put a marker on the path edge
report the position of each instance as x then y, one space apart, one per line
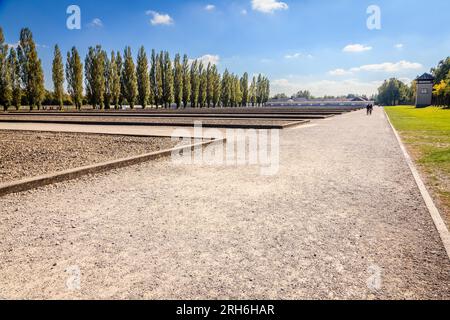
439 223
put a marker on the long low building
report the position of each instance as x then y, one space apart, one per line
302 102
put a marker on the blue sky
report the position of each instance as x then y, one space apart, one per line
321 45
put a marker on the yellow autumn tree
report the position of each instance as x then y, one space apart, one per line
441 92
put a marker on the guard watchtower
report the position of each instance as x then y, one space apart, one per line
424 92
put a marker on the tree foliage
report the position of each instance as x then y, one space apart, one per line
58 76
441 89
74 77
245 89
143 78
441 92
441 71
14 73
167 79
178 81
115 79
129 79
31 72
94 69
186 81
195 84
393 92
5 75
202 86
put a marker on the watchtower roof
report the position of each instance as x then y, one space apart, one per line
425 77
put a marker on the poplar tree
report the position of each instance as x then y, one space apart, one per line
114 81
238 92
216 86
153 78
58 77
186 81
226 89
209 84
262 90
266 94
202 86
160 78
74 77
14 72
252 92
108 82
119 62
233 99
178 81
5 76
129 78
195 84
143 78
168 80
31 72
95 76
244 89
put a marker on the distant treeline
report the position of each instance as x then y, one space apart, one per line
111 81
394 92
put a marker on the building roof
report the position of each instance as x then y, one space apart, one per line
359 99
425 77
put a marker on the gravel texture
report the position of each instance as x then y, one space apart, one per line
28 154
342 214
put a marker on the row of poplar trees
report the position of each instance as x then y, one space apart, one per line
115 80
21 72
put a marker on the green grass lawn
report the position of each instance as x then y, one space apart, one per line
426 132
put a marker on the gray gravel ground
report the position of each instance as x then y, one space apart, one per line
343 218
25 154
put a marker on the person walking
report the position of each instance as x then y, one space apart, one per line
369 109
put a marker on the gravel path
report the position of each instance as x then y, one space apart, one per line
27 154
343 218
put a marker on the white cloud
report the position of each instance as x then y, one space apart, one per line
298 55
399 46
244 12
293 56
207 58
356 48
210 7
339 72
96 23
268 6
325 87
387 67
160 18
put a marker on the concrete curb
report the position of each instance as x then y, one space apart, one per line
434 212
43 180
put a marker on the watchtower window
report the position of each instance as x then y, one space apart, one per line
424 91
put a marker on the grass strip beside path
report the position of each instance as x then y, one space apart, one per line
426 134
